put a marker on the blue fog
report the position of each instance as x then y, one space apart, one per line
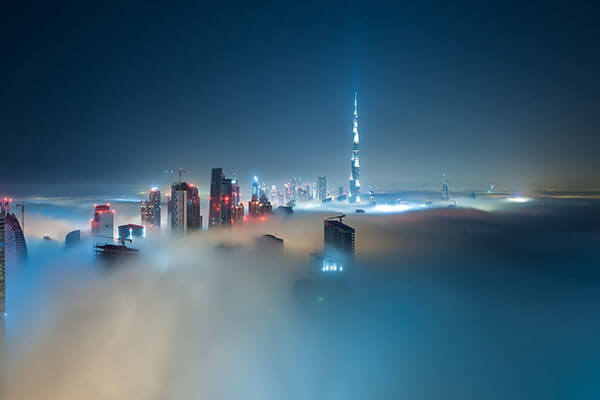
494 302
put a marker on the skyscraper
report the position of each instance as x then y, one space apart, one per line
445 193
2 270
321 188
255 189
235 190
150 209
224 197
354 162
185 208
178 209
216 194
338 238
103 221
227 194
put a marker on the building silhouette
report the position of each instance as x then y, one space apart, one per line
13 248
338 239
73 238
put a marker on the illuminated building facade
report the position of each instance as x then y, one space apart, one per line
354 196
103 221
216 195
131 231
321 188
445 193
2 267
255 189
260 207
184 208
224 197
237 213
178 210
150 209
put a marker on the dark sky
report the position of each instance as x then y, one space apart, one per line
497 93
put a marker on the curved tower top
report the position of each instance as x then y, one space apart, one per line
354 161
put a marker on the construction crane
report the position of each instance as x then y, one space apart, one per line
339 217
180 172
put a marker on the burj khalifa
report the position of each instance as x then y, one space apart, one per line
354 162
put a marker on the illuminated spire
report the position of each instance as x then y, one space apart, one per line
354 162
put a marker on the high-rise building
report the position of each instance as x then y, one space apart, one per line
354 196
445 193
255 189
185 208
103 221
224 197
321 188
338 238
237 213
227 194
235 190
216 197
2 269
260 207
150 209
372 198
131 231
178 209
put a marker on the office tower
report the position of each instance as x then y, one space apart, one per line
255 189
445 194
355 164
235 190
150 209
103 221
227 193
73 238
216 195
154 199
2 268
274 193
194 219
260 207
237 213
131 231
321 188
338 238
178 209
184 208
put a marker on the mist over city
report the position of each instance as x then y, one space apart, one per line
300 201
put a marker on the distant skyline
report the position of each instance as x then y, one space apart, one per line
501 93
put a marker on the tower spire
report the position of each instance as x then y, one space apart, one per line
354 162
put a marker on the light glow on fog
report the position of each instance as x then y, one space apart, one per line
518 199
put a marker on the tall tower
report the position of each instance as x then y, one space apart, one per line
354 162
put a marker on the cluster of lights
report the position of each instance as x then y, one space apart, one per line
331 266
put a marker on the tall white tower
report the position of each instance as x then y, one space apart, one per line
354 162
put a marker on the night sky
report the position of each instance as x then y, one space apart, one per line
497 93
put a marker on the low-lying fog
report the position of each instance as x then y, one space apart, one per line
441 304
